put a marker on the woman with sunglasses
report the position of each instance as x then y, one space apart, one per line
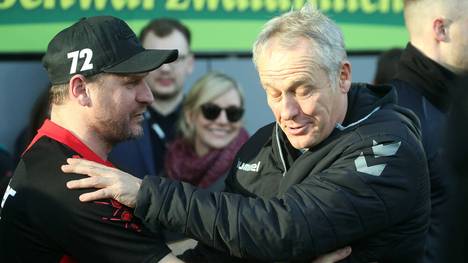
211 132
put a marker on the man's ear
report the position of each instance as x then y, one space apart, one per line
78 90
440 29
345 77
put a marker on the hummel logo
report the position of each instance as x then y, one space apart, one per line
379 150
248 167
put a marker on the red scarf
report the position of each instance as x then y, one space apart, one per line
183 164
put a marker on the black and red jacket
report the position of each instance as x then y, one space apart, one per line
43 221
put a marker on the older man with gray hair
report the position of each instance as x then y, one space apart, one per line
341 165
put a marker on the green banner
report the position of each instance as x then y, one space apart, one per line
217 25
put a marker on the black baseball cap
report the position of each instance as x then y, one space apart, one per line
100 44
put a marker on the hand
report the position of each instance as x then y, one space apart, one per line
170 258
334 256
114 183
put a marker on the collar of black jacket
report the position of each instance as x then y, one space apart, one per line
427 76
364 98
363 101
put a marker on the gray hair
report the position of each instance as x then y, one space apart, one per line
308 22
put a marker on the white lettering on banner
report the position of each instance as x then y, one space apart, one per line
86 53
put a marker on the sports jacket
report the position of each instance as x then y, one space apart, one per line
366 185
43 221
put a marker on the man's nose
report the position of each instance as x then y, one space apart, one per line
144 94
289 107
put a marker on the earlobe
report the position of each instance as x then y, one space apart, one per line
84 99
79 91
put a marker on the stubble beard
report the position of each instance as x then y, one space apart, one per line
113 132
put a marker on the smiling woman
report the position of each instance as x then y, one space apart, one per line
211 131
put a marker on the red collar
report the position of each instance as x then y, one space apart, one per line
62 135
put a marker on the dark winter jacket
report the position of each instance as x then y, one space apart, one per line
366 185
424 87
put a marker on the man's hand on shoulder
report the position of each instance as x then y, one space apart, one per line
170 258
334 256
112 182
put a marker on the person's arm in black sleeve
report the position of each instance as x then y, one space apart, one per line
324 212
104 231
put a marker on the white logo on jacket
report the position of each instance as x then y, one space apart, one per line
254 167
379 150
9 192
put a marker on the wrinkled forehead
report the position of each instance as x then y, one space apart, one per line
278 43
276 59
298 48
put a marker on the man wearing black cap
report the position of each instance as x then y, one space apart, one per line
98 98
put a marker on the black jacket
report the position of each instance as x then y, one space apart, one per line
366 185
454 242
424 86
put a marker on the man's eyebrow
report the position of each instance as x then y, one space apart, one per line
292 85
299 82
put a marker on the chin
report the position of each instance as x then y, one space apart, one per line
136 133
132 132
303 144
166 95
219 146
298 146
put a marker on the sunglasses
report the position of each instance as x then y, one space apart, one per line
211 112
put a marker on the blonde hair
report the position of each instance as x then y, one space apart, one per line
206 89
58 93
